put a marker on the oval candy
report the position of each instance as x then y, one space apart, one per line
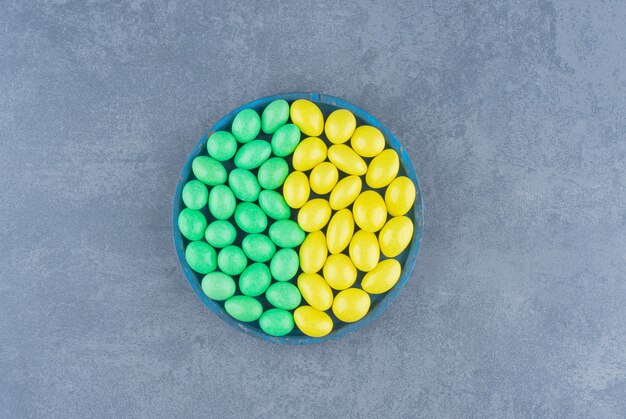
231 260
222 202
274 205
345 192
323 178
253 154
250 218
347 160
400 196
339 231
307 116
208 170
286 233
191 224
367 141
246 125
370 212
310 152
312 322
283 295
272 173
383 169
254 280
314 215
243 308
313 252
284 265
285 140
351 305
220 234
218 286
339 271
200 257
395 236
276 322
364 250
221 145
296 189
274 116
244 185
195 195
340 125
383 277
258 247
315 291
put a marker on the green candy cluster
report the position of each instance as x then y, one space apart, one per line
241 237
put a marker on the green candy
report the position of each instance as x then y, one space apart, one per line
208 170
231 260
218 286
285 140
221 145
222 202
220 234
272 173
200 257
274 205
250 218
243 308
254 280
244 185
276 322
195 195
283 295
284 265
253 154
258 247
274 116
192 224
246 125
286 233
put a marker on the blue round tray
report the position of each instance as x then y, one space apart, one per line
407 259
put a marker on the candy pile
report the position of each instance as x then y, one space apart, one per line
288 244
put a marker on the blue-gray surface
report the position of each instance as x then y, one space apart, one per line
514 114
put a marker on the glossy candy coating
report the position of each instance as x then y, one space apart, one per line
347 160
351 305
222 202
284 265
254 280
244 185
286 233
276 322
369 211
395 236
345 192
296 189
383 277
367 141
250 217
383 169
339 126
283 295
274 205
218 286
231 260
364 250
323 178
310 152
340 230
312 322
307 116
201 257
192 224
221 145
273 172
400 196
313 252
285 140
220 233
258 247
314 215
243 308
315 291
339 271
208 170
251 155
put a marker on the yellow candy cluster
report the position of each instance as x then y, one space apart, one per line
343 217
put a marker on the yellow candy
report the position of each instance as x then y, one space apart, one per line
364 250
370 212
383 169
351 305
324 178
312 322
314 215
368 141
345 192
339 271
347 160
395 236
339 126
399 196
308 117
313 252
339 231
296 189
315 291
383 277
310 152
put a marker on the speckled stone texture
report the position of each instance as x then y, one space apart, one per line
514 114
